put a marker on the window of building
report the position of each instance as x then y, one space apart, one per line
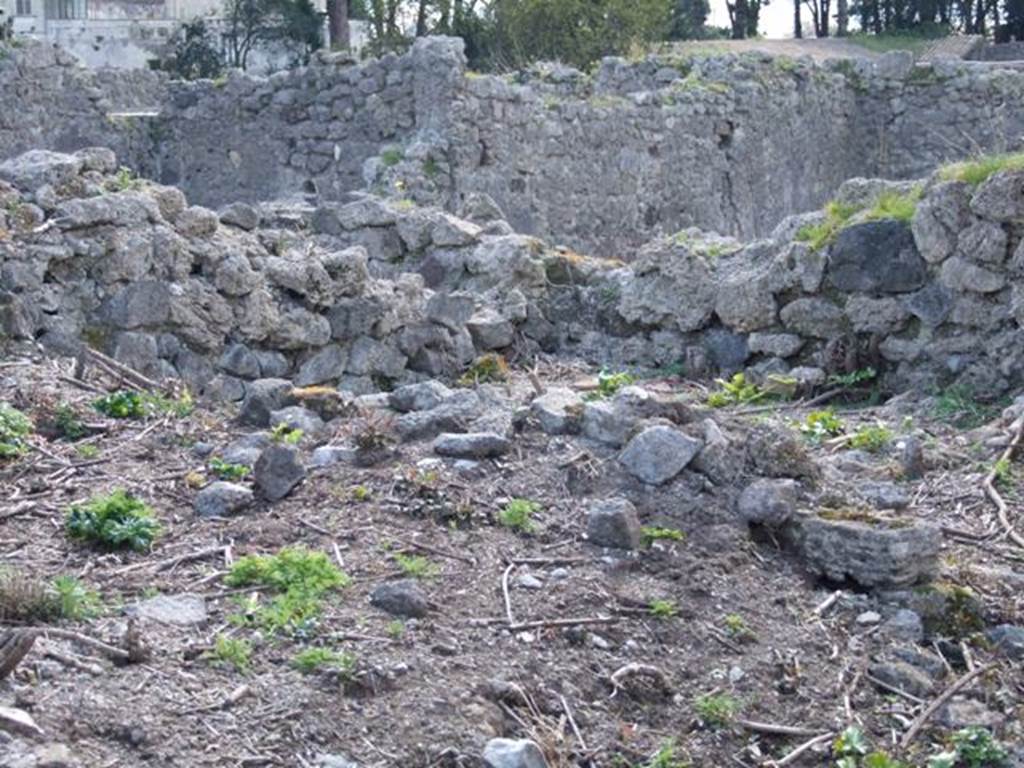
65 9
23 8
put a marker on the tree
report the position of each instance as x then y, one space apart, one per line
744 17
337 24
688 20
798 25
196 53
251 24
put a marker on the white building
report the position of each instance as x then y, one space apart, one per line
127 34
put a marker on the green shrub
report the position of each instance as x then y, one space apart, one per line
716 709
68 424
123 404
415 566
662 609
282 433
736 391
316 659
872 439
391 157
517 515
75 600
231 651
116 521
820 425
972 747
14 428
650 533
298 577
824 232
610 383
228 471
852 379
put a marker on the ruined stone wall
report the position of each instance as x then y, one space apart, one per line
600 163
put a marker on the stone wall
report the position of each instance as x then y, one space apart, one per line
600 163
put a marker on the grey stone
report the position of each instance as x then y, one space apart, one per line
871 554
222 499
559 410
240 215
816 318
870 315
39 167
938 218
727 351
931 305
401 598
967 713
904 677
1009 639
775 344
876 257
335 761
911 457
1000 197
883 495
246 449
658 454
513 753
490 330
768 501
960 275
421 396
239 360
471 445
613 523
983 242
328 364
263 396
329 455
278 470
904 625
297 417
180 610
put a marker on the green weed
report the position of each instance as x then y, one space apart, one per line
87 451
317 659
116 521
486 368
976 171
391 157
820 425
228 471
824 232
736 391
14 428
662 609
75 600
517 515
416 566
68 424
610 383
231 651
650 533
666 757
872 438
282 433
958 406
716 709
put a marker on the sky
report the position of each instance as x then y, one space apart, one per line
776 18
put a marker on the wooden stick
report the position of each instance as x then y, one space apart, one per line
802 748
508 599
435 550
942 699
562 623
111 652
572 722
778 730
990 488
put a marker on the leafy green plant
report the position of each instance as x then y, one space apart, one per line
820 425
895 205
415 566
14 428
737 626
486 368
662 609
75 600
610 383
116 521
68 424
391 157
972 747
517 515
716 709
300 578
121 181
123 404
282 433
231 651
395 629
853 378
871 438
958 406
666 757
736 391
650 533
361 493
228 471
1003 472
313 660
87 450
851 749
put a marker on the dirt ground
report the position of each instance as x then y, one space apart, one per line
432 691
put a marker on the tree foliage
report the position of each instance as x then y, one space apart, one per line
196 52
293 25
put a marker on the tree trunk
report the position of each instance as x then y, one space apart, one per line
337 24
842 18
798 26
